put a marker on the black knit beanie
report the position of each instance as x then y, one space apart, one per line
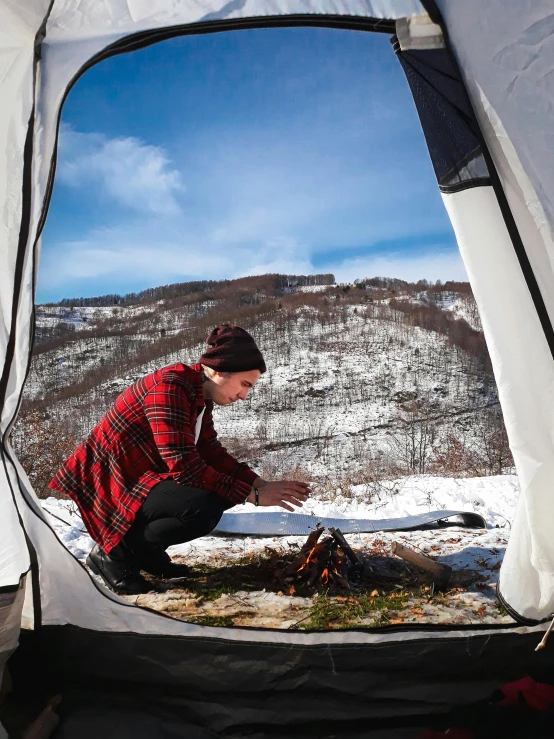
232 349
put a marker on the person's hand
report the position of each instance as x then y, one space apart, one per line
283 493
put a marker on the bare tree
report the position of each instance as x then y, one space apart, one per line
413 442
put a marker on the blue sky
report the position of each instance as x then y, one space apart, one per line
282 150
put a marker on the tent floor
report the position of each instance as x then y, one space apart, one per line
157 687
93 714
112 719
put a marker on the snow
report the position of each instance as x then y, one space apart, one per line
315 288
492 497
478 550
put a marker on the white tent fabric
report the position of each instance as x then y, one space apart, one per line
76 30
514 335
506 60
18 28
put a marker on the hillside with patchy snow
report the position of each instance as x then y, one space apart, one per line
360 387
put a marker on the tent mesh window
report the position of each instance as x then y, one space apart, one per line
446 117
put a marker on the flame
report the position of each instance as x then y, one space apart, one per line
331 569
308 561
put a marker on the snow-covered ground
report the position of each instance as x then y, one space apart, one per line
84 317
477 550
314 288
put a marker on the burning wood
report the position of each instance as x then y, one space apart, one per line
345 546
322 562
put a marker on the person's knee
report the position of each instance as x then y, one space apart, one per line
206 512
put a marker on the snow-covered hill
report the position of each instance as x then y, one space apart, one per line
355 391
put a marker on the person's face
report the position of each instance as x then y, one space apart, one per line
227 388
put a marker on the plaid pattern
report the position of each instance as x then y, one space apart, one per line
145 437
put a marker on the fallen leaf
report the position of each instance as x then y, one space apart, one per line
395 621
280 592
497 566
417 611
435 548
292 590
374 594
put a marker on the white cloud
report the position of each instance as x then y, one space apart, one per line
135 174
104 257
438 265
140 257
148 257
253 206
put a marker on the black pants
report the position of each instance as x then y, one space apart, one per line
173 514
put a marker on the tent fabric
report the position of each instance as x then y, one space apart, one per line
506 61
82 19
508 55
170 687
448 123
18 27
510 320
45 46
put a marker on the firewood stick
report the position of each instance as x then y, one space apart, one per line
338 536
441 573
45 723
313 538
316 574
342 581
302 560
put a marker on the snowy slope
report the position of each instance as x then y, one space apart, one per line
480 551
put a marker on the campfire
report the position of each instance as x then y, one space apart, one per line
329 562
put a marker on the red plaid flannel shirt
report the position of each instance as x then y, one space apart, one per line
148 435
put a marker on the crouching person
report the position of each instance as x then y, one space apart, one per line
152 472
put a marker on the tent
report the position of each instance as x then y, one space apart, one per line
482 78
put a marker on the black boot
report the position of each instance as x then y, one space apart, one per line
117 572
160 564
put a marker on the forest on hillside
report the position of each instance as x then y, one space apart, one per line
366 381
